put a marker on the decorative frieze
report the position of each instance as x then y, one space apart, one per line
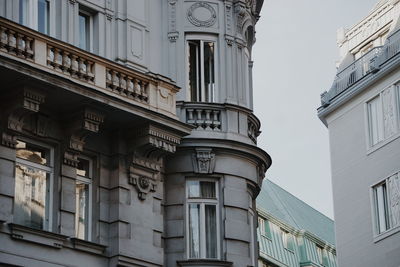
203 160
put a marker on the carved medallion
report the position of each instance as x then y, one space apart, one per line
201 14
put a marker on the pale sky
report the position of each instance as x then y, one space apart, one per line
294 62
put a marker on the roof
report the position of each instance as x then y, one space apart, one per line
284 206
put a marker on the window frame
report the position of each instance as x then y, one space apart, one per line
202 38
32 15
202 202
90 27
47 168
89 181
377 235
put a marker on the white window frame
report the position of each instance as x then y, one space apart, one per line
89 181
374 211
47 168
395 87
202 202
202 39
320 254
90 27
32 15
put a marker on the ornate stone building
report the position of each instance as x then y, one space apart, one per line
362 113
127 133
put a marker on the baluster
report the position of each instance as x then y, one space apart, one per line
11 41
3 39
122 84
90 71
129 86
216 119
207 120
144 90
20 46
190 118
29 47
136 91
199 119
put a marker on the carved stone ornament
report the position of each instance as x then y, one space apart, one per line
85 123
8 140
144 185
203 160
196 14
394 195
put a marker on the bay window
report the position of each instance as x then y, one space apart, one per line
202 219
33 182
201 70
83 191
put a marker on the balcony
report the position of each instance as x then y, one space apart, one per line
224 121
39 51
367 65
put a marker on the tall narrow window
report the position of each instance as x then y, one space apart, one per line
381 208
33 175
202 219
83 191
44 16
85 30
375 120
23 12
202 71
288 240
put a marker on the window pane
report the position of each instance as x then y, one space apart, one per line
209 72
267 229
194 230
83 31
32 153
23 12
82 208
30 196
211 231
207 189
194 188
43 16
381 208
194 70
375 120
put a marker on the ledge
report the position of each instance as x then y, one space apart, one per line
87 246
204 263
42 237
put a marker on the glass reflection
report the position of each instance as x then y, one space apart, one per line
194 230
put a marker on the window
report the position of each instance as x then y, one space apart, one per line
83 191
202 219
386 204
287 240
33 182
320 254
264 227
201 68
35 14
85 30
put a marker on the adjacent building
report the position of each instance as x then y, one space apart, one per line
127 133
291 233
362 113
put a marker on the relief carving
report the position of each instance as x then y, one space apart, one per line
388 113
203 160
173 34
205 20
394 196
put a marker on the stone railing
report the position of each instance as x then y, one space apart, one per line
53 56
204 118
253 129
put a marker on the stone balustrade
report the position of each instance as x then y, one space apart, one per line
56 57
204 118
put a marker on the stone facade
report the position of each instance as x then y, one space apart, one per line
128 137
361 111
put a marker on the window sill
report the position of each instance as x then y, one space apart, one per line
205 263
382 143
87 246
386 234
267 237
289 250
32 235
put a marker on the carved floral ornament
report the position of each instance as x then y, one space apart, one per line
203 160
200 8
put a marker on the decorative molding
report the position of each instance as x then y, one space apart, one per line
228 17
72 2
71 158
394 196
143 185
199 22
173 34
229 40
389 110
203 160
240 11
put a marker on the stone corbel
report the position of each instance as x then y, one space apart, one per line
25 102
203 160
83 124
153 142
240 11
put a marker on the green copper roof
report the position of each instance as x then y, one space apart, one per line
291 210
